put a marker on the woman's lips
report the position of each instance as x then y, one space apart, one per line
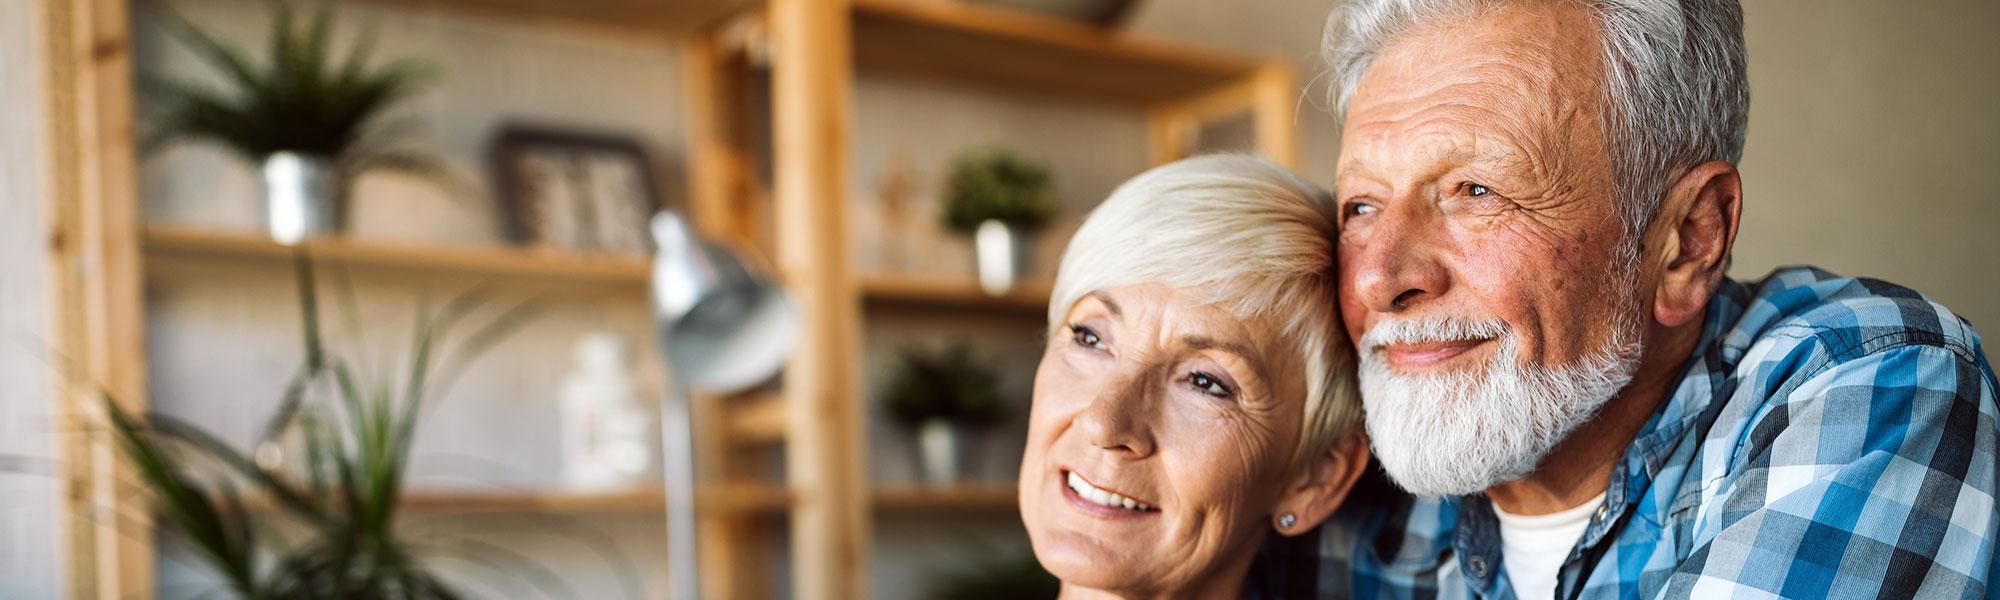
1426 355
1100 502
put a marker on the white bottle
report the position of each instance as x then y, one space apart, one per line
606 432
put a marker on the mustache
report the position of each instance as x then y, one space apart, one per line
1435 328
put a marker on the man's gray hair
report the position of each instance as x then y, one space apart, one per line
1676 92
1241 233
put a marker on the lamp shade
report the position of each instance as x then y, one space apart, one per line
723 328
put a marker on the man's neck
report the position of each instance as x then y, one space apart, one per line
1579 468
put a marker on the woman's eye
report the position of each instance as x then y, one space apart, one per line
1083 336
1475 190
1210 385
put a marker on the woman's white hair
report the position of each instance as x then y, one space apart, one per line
1241 233
1676 91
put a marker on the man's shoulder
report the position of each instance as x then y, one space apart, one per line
1811 319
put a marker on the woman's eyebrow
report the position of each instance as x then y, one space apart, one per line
1109 305
1199 342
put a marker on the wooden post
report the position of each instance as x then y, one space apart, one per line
1274 110
812 71
718 164
97 292
1170 135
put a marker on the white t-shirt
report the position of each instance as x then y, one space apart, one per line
1533 547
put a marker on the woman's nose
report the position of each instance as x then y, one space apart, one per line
1117 419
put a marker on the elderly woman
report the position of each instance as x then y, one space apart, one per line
1197 391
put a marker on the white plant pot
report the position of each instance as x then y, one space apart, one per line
301 196
1001 251
940 451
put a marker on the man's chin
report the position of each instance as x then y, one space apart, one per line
1440 473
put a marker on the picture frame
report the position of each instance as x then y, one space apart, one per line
574 190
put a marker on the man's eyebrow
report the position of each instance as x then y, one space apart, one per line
1109 304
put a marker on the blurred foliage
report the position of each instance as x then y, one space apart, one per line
953 385
996 183
344 491
1002 576
301 98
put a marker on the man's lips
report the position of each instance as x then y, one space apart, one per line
1419 356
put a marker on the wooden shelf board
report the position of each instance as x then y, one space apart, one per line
533 264
983 496
1024 52
649 16
730 499
1027 297
734 498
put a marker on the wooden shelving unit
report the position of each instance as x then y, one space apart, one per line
812 48
182 246
1030 297
1007 50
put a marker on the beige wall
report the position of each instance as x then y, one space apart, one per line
30 504
1874 145
1874 132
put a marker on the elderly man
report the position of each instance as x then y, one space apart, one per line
1538 201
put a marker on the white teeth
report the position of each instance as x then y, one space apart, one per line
1098 496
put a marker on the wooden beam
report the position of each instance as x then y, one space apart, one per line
718 165
812 75
97 298
756 421
1269 95
1170 135
1274 113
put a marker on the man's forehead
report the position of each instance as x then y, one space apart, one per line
1448 92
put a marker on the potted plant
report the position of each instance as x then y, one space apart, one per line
309 121
338 490
941 397
1000 198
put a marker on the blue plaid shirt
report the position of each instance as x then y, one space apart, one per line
1832 438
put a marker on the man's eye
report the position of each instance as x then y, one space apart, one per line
1083 336
1356 209
1210 385
1475 190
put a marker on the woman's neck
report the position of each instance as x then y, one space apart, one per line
1226 581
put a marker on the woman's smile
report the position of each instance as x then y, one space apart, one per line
1101 502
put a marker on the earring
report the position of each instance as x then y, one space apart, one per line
1286 520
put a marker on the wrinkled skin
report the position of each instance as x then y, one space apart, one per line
1183 407
1475 181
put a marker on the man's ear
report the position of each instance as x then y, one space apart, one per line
1697 222
1319 487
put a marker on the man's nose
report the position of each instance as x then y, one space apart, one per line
1398 265
1117 418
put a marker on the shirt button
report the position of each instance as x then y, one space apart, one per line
1602 510
1477 565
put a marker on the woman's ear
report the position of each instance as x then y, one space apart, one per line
1319 487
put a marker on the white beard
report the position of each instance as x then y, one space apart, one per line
1448 434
